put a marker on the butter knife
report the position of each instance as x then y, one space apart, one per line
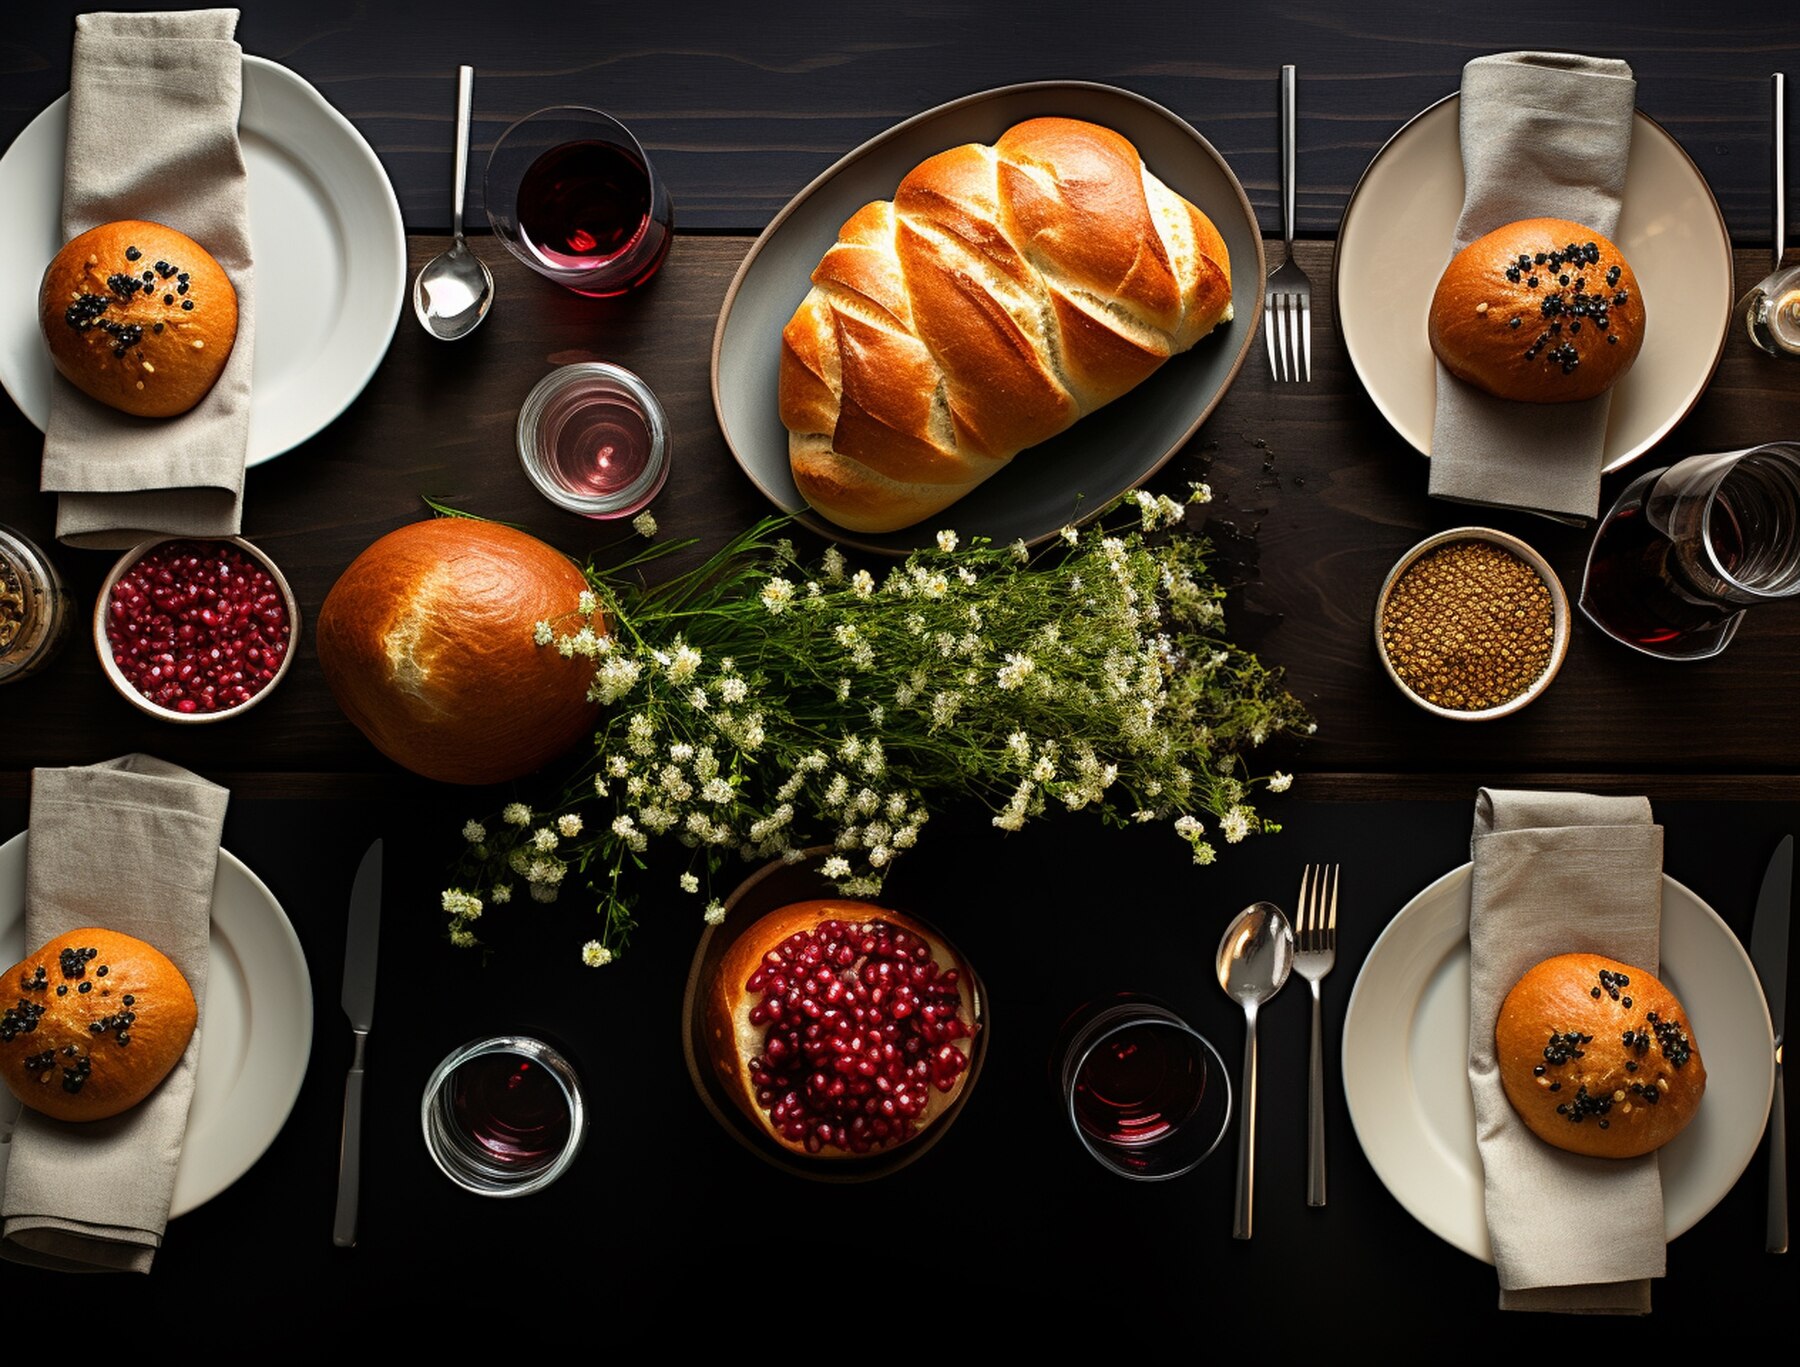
1769 952
361 946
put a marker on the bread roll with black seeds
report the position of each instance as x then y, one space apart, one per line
1541 311
93 1022
1598 1057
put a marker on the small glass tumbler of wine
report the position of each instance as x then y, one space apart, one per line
594 440
1686 550
570 192
504 1116
1146 1094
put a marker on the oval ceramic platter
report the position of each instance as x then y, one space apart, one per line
1069 478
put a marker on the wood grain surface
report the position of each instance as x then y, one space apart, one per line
741 105
1316 499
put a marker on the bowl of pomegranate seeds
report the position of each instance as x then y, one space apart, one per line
836 1039
195 630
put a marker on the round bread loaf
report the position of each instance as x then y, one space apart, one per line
1542 311
99 1020
1597 1057
138 316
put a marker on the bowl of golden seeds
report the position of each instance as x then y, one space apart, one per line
1472 624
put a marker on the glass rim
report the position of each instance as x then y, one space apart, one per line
1114 1020
656 460
522 1046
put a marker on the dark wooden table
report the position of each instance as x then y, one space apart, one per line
1317 497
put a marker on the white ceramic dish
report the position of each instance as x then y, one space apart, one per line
330 257
1405 1062
257 1029
1671 231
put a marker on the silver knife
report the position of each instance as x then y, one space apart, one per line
1769 952
360 950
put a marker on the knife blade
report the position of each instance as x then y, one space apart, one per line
361 948
1769 952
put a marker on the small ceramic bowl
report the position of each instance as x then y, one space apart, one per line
772 886
116 677
1559 609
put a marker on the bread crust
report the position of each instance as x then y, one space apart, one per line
1569 336
425 642
1004 292
1571 1074
89 1035
139 316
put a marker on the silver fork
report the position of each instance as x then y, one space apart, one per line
1287 299
1315 952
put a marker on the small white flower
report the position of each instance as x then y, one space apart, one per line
716 790
1280 782
644 525
699 700
1204 853
543 840
474 832
681 752
1234 825
569 825
684 664
462 939
1020 552
733 689
1070 535
617 766
1189 828
593 953
465 906
542 633
934 586
1200 492
516 814
777 596
690 883
600 789
833 562
946 541
1014 672
588 603
715 913
862 583
501 894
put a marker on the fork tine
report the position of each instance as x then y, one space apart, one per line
1281 331
1306 351
1331 926
1294 314
1269 337
1300 907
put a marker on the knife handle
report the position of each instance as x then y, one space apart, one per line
343 1229
1778 1231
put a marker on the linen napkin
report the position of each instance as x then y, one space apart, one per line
1544 135
153 134
131 844
1561 873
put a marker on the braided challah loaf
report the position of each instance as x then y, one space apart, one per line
1003 293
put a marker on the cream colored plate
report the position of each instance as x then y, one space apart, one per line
1671 231
1406 1044
255 1039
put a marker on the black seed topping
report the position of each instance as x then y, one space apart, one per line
1612 339
19 1020
1556 1086
85 987
37 1063
1512 274
1612 276
129 999
182 287
100 972
188 305
1540 258
168 299
1538 1071
1562 279
1533 282
132 253
1630 1067
1585 1105
1673 1041
1621 297
1514 323
62 989
1594 992
157 328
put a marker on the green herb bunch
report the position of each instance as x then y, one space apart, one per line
756 706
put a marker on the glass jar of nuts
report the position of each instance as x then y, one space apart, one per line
35 609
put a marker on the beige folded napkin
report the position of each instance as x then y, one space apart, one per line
132 845
153 134
1544 135
1561 873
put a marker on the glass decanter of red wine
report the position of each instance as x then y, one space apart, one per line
1687 549
1145 1093
572 194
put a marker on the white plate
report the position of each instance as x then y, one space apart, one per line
1406 1045
330 257
255 1041
1671 231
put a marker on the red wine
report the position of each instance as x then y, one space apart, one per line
1636 586
511 1107
1140 1085
583 205
599 440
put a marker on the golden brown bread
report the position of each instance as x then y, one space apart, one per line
138 316
1542 311
824 955
1598 1057
1003 293
426 642
99 1018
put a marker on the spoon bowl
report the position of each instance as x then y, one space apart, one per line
1255 956
453 291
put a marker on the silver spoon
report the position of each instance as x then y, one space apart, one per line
453 291
1254 959
1770 309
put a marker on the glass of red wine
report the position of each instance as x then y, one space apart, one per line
1145 1092
504 1116
572 195
1687 549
